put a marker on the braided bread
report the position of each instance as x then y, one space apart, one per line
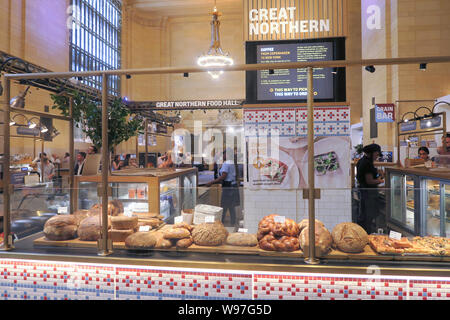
285 243
277 236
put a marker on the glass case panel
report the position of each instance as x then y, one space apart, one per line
134 196
397 197
410 205
87 195
169 199
432 203
189 191
447 210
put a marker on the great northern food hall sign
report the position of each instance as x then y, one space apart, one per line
294 19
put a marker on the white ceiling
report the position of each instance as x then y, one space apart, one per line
184 7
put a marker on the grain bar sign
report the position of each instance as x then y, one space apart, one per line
385 112
294 19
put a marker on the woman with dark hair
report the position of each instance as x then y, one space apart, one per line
368 180
115 165
424 153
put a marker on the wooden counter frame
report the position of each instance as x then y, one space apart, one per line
7 78
153 185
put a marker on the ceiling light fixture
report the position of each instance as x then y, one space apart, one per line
215 57
44 129
19 101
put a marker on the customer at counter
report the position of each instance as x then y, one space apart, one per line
368 180
167 161
230 190
115 164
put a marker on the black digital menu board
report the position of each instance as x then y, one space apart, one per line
291 84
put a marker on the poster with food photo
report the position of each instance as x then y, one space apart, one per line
277 150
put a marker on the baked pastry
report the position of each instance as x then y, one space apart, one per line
209 234
349 237
285 243
90 228
242 239
61 227
141 240
119 235
323 240
384 244
184 243
124 222
305 222
177 233
268 224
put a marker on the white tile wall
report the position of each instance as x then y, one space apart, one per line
333 208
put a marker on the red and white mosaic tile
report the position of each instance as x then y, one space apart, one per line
36 280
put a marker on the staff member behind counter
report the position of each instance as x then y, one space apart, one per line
368 180
230 189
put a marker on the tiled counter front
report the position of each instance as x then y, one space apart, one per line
36 280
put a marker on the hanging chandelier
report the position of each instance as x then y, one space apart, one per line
215 57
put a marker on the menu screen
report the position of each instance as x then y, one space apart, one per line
291 84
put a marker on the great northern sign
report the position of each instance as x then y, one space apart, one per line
385 112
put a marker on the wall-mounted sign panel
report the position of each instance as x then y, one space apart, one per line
294 19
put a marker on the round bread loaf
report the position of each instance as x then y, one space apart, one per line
349 237
124 222
323 241
184 243
141 240
119 235
115 207
183 225
305 222
177 233
242 239
61 227
90 228
209 234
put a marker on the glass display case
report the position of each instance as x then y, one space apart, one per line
419 201
164 192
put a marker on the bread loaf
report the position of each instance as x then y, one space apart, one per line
115 207
119 235
124 222
323 241
242 239
161 242
349 237
184 243
61 227
305 222
90 228
183 225
209 234
152 222
141 240
177 233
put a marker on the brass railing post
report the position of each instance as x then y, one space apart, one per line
7 237
105 246
72 158
311 259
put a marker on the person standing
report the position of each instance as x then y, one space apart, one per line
230 189
81 159
49 170
92 150
115 164
369 178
